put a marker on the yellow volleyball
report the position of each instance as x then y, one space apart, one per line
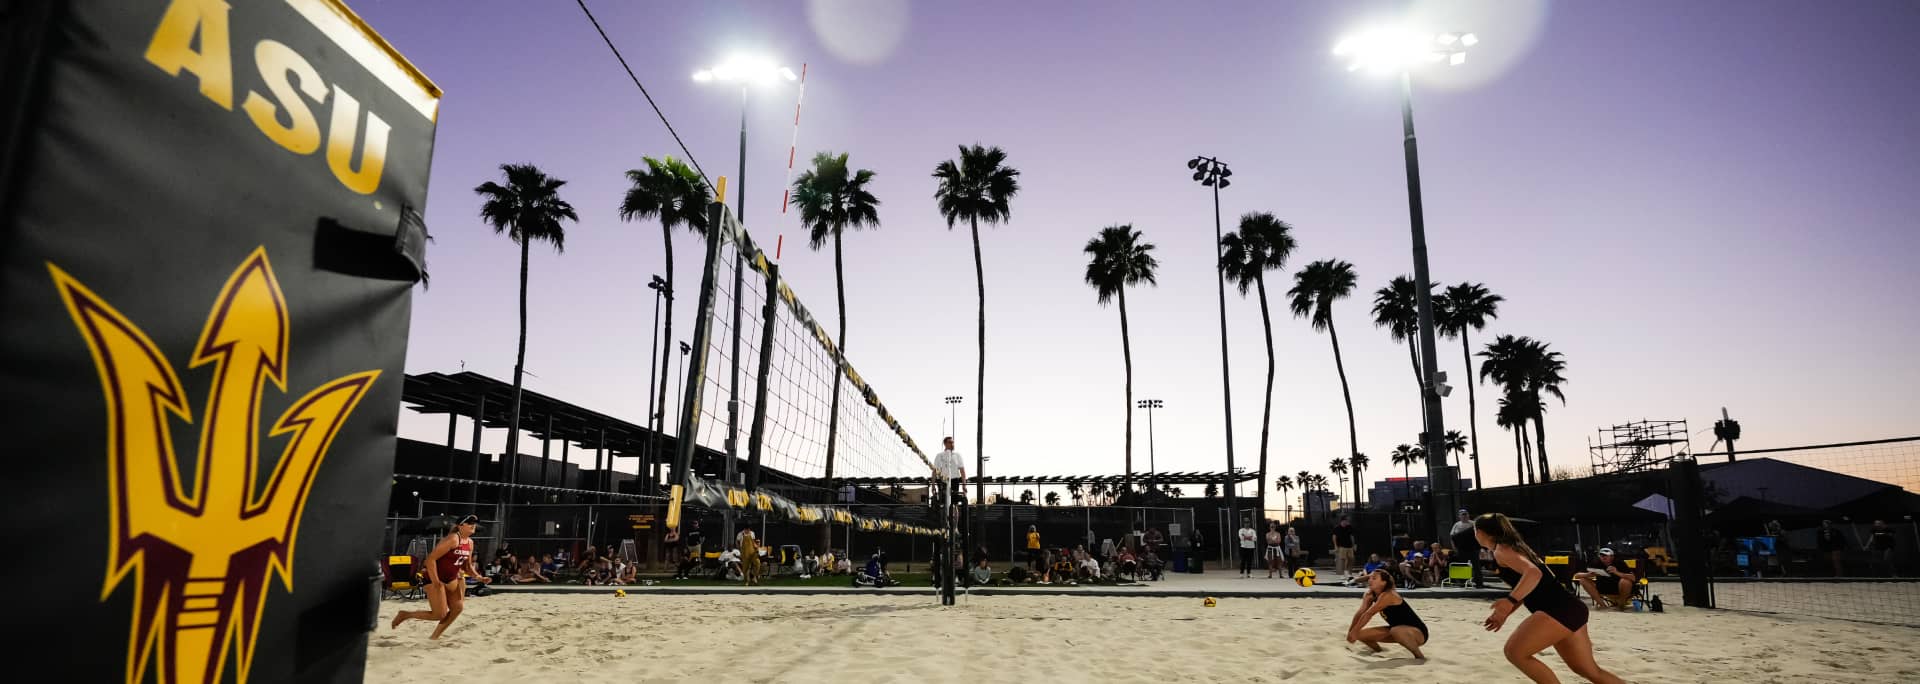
619 593
1209 602
1303 577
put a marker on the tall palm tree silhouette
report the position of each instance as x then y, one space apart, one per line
668 190
1526 369
979 187
1395 309
833 199
1315 289
527 209
1455 443
1262 244
1405 456
1457 312
1117 258
1359 463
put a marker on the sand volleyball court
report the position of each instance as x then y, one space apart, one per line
1065 639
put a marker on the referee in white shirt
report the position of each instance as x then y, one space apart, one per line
951 471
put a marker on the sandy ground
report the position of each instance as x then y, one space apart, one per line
1065 639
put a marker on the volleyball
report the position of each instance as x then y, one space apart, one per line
619 593
1208 602
1303 577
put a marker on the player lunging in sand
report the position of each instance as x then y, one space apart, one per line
447 567
1559 618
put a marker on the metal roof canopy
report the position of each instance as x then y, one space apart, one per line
459 393
1197 478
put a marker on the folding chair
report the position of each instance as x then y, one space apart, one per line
401 583
1458 575
1639 585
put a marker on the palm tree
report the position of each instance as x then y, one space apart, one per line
1513 415
1405 456
1359 463
673 192
1117 258
833 199
1073 490
1096 492
1395 309
1457 311
1213 490
979 187
1455 443
1026 497
1526 368
1544 376
1315 289
527 209
1305 481
1284 485
1339 468
1053 498
1262 244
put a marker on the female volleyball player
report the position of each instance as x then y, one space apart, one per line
447 566
1403 626
1559 618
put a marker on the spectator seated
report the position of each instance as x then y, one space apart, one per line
1152 566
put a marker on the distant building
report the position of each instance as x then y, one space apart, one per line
1321 502
1388 493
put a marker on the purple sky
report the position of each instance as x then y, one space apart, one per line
1700 204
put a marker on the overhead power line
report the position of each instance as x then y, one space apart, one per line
643 92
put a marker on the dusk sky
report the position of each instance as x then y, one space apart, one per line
1701 204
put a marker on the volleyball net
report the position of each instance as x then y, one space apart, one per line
775 415
1830 530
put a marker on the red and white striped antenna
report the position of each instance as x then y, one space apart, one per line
786 192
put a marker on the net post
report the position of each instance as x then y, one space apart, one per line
757 438
719 226
739 304
1690 545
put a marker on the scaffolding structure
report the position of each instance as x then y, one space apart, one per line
1637 446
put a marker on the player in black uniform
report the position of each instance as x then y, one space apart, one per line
1403 626
1559 619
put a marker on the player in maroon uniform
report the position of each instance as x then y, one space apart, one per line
447 566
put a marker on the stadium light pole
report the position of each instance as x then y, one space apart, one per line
1214 173
1153 470
680 374
747 72
1391 51
660 290
953 417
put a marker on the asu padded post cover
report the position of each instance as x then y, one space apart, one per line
209 236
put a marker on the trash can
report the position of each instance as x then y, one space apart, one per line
210 232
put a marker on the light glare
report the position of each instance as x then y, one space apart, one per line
1392 49
746 70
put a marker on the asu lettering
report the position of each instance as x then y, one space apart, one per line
192 40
